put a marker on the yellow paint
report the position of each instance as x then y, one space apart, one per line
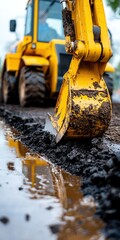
83 108
35 22
36 57
12 61
43 51
26 40
85 72
109 68
35 61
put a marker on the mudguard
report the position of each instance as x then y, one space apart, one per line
13 61
35 61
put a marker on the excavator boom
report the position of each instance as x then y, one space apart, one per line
83 108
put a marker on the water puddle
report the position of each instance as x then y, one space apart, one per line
39 201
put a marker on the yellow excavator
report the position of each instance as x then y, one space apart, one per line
34 71
83 108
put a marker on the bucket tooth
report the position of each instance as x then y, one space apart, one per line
49 126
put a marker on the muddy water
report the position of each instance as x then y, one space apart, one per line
40 201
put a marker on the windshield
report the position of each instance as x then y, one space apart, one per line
50 21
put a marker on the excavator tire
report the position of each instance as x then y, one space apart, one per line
109 82
9 89
0 93
0 98
32 87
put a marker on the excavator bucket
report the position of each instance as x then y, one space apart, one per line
83 108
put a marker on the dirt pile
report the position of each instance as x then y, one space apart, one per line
95 161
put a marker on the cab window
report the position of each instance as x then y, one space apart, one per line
49 21
28 24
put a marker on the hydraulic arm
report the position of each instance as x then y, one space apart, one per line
83 108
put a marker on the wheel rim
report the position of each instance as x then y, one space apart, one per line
5 90
22 91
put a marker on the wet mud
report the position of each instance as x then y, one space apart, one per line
68 24
97 162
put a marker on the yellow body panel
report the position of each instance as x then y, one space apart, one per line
45 49
48 50
35 61
26 40
12 61
109 68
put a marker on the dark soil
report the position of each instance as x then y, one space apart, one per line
96 161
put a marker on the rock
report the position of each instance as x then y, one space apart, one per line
117 159
55 228
73 154
109 164
98 178
10 166
95 141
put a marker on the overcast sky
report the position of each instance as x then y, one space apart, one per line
113 23
12 9
9 9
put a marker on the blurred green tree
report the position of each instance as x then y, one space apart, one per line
114 4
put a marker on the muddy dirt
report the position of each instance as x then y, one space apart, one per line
96 161
68 24
39 200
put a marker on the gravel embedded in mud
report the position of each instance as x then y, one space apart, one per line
10 166
55 228
95 161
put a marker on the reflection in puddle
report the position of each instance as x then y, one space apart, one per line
34 191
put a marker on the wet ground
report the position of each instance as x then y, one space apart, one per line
96 163
39 200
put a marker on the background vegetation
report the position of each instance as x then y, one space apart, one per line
114 4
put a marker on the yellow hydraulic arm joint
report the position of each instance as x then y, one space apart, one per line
83 108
